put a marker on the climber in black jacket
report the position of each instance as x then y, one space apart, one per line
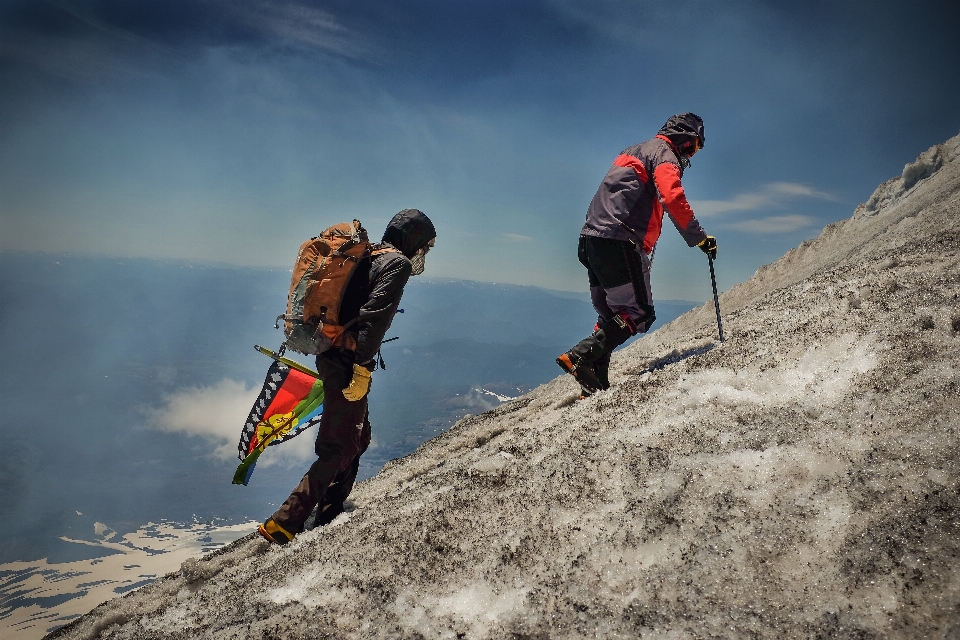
372 297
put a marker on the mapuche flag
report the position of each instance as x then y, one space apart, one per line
290 402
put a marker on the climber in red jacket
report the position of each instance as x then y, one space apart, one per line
623 225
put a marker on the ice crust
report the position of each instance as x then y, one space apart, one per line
799 480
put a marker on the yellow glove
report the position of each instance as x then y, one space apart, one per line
359 385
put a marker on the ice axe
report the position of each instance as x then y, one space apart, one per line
716 300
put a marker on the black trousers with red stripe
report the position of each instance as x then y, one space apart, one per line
619 278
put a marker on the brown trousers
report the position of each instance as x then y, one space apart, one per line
344 436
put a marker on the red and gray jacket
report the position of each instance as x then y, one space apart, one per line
628 206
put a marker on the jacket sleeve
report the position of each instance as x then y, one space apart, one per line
667 177
376 314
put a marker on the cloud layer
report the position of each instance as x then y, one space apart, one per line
771 196
774 224
217 413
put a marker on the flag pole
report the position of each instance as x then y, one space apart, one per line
287 361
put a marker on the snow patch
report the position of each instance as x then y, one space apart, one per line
492 464
499 397
823 374
298 587
473 611
173 619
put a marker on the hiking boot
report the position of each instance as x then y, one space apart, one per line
602 368
581 370
589 360
274 533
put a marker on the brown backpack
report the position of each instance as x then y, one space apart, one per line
320 276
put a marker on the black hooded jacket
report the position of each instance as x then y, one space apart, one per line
408 231
374 291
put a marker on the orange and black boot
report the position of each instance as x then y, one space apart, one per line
583 359
580 369
274 532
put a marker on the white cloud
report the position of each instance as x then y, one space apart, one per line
95 48
773 224
742 202
771 195
516 237
217 413
302 25
794 189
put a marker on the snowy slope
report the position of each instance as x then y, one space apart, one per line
798 480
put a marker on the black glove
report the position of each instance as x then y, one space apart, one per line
709 246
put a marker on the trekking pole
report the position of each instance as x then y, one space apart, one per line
716 300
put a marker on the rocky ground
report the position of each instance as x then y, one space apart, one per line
799 480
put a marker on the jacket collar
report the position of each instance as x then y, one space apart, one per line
670 142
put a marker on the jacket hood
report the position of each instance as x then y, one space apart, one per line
683 130
409 230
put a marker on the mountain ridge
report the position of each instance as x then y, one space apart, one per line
798 480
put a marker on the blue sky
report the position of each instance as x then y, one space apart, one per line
230 130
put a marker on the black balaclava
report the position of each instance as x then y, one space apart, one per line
684 130
409 230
